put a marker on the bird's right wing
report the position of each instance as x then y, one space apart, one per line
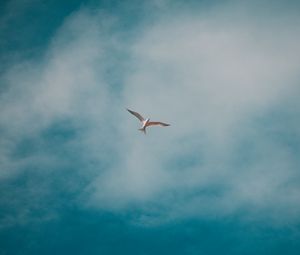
153 123
136 115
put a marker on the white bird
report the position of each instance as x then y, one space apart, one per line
147 122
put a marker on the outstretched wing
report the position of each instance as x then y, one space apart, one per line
153 123
136 115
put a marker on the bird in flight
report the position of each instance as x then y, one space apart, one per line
146 122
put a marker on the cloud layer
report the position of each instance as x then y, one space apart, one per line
228 85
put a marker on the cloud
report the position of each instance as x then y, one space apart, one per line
224 82
215 80
51 109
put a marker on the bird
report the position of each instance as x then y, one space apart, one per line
146 122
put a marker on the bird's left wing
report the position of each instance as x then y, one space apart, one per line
136 115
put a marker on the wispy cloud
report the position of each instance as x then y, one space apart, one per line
64 91
216 79
224 82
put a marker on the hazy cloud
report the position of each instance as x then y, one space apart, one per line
225 84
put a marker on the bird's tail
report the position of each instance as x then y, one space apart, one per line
143 130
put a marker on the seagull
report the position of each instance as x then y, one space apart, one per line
147 122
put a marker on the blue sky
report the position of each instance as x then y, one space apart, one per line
78 178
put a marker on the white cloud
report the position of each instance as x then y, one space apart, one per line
65 85
212 78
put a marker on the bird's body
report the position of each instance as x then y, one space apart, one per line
146 122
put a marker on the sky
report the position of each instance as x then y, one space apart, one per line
76 175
